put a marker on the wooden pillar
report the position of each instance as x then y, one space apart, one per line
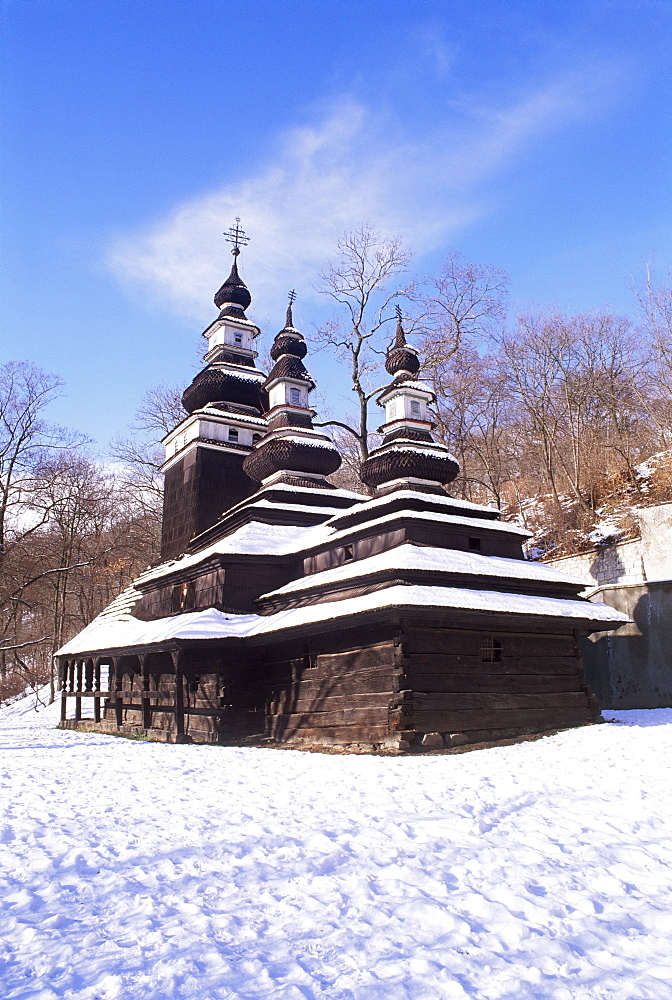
177 657
63 669
118 705
96 689
146 703
78 695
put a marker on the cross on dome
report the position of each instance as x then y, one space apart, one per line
236 235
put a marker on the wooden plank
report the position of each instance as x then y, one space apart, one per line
455 682
335 734
428 663
343 717
280 705
447 641
457 721
358 659
369 680
498 701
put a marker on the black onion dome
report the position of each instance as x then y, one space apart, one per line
405 459
214 385
286 343
289 367
401 357
274 454
234 291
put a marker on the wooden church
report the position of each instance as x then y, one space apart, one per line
289 609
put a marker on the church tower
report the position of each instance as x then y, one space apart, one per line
204 454
292 452
408 456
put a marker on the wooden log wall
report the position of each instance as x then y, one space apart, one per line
532 682
340 691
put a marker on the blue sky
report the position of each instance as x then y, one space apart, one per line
531 135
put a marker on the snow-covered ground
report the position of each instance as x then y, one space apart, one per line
135 870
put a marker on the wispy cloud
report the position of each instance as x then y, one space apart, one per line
354 164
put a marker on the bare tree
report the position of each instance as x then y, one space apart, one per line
141 456
464 305
655 308
362 281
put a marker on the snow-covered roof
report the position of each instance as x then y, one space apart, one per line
406 444
440 597
106 632
407 494
254 538
430 559
325 532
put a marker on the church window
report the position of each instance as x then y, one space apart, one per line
295 397
491 650
348 554
237 338
415 408
255 438
475 544
233 434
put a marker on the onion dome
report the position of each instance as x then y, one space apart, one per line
402 360
297 455
233 297
288 350
407 459
217 384
292 450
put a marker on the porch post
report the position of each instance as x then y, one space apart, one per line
78 696
96 687
146 704
63 670
118 705
177 657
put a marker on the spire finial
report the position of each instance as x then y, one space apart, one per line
236 235
289 320
400 339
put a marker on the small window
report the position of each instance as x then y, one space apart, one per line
184 596
310 660
348 554
255 438
393 408
475 544
295 397
415 408
233 434
237 338
491 650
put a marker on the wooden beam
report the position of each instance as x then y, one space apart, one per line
78 702
118 705
177 657
146 702
64 688
96 693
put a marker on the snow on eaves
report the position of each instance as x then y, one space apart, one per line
429 559
433 498
106 633
325 532
254 538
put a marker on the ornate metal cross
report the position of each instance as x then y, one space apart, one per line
236 235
